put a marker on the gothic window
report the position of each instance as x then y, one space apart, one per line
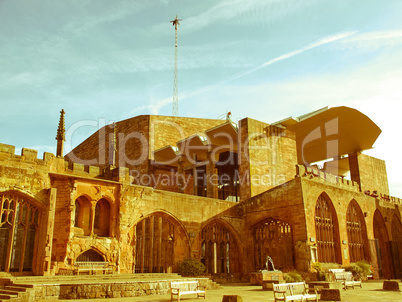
382 246
155 243
355 230
102 218
219 251
396 245
327 232
18 225
273 238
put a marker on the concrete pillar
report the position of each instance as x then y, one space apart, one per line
212 177
180 176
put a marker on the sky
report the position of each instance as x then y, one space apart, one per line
104 61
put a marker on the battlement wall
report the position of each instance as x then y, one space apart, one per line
10 163
318 175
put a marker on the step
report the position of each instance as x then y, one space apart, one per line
8 292
21 285
5 297
15 288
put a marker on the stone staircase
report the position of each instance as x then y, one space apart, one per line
15 293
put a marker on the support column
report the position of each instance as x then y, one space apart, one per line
92 226
195 184
180 176
212 177
49 232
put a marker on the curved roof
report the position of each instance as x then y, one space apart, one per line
330 133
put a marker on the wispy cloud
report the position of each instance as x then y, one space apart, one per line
373 39
154 107
323 41
238 12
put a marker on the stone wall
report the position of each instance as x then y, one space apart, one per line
369 172
267 157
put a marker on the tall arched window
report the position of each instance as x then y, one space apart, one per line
396 246
219 250
327 231
381 238
355 228
19 220
156 239
273 238
102 218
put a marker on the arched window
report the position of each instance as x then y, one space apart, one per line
382 246
273 238
396 246
219 250
83 215
19 220
355 228
156 239
102 218
327 231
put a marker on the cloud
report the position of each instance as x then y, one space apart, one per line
373 39
155 106
323 41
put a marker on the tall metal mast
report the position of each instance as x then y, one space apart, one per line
175 112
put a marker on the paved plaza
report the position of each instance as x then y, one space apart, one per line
371 291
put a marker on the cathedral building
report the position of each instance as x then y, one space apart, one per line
145 193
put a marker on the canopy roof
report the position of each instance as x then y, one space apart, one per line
194 149
331 133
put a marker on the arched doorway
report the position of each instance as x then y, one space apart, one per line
382 246
273 238
357 233
219 249
396 245
19 220
327 231
160 243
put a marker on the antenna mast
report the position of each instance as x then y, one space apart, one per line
175 112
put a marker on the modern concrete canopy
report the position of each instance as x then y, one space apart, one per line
331 133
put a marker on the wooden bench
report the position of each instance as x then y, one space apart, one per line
297 291
347 279
91 267
186 288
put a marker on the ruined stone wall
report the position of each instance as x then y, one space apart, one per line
341 192
369 172
27 176
267 157
188 212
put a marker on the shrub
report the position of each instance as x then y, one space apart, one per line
293 276
360 268
320 274
191 267
365 267
317 266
